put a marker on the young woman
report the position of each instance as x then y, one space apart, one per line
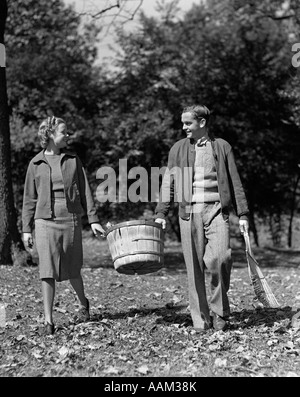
56 195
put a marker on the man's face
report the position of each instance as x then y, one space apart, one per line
191 126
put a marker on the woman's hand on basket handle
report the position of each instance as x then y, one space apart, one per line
162 222
97 229
28 240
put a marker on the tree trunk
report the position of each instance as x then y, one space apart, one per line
253 228
12 250
252 225
293 205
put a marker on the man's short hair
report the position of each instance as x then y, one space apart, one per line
198 111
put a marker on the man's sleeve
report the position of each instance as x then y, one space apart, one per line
237 191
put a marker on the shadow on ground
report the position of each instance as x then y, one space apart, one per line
246 318
249 318
174 262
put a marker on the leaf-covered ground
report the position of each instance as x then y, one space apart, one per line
140 325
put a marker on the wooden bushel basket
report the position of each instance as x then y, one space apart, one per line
136 247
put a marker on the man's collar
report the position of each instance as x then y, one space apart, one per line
202 141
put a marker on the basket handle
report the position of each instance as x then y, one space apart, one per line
148 238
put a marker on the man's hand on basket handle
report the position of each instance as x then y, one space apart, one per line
162 222
97 229
244 226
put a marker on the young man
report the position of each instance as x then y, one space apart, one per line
202 176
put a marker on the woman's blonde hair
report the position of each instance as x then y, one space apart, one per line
47 127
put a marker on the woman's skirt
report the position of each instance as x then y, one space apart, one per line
59 244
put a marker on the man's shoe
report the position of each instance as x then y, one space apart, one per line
84 313
49 329
219 323
201 330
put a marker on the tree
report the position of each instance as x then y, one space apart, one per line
11 245
48 40
50 71
232 56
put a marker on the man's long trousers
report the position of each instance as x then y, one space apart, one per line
205 241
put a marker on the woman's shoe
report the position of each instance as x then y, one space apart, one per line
84 313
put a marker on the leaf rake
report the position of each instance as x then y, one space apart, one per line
261 288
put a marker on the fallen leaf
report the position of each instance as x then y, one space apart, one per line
63 351
289 344
239 349
176 299
291 374
220 363
37 354
143 369
172 289
296 320
111 370
20 337
58 309
213 347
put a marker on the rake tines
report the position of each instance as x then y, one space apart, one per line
261 288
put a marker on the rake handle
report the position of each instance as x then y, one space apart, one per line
247 242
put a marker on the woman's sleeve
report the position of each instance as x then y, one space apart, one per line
29 201
86 196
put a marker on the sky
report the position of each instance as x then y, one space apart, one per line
92 6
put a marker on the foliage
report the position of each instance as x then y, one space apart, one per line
232 56
50 71
49 61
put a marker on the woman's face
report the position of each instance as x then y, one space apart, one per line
60 136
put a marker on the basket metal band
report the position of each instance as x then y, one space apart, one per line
139 253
